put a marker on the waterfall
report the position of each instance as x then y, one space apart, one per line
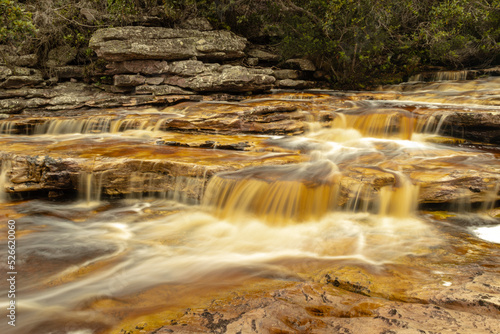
278 195
4 178
90 187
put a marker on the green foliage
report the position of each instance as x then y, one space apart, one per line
462 32
16 23
179 10
121 7
358 42
371 41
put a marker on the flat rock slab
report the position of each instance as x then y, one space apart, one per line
131 43
120 165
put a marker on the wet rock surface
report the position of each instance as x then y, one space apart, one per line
439 176
309 219
360 299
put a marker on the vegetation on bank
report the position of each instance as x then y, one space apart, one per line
357 42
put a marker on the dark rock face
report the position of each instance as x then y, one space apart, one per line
481 127
130 43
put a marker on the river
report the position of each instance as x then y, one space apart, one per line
367 195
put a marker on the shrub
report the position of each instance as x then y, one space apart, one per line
16 22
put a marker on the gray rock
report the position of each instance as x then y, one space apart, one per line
286 74
23 60
252 61
154 81
18 81
68 72
296 84
149 67
5 72
300 64
12 106
61 56
140 43
128 80
89 14
161 90
263 55
197 23
227 78
189 68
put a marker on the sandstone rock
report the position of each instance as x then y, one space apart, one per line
68 72
12 106
295 84
491 71
263 55
149 67
127 80
252 61
161 90
18 81
300 64
131 166
190 68
133 43
227 78
197 23
61 56
29 60
154 80
286 74
476 126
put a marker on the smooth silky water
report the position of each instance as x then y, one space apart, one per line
93 263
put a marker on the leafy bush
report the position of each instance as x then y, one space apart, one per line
370 41
358 42
15 23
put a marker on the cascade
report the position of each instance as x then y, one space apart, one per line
90 187
440 76
343 221
399 200
380 123
278 195
4 171
491 197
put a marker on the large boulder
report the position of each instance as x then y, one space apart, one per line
132 43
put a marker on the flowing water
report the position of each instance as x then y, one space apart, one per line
368 180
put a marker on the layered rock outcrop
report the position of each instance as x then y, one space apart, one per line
144 63
130 43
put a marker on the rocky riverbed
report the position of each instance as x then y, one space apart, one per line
192 194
